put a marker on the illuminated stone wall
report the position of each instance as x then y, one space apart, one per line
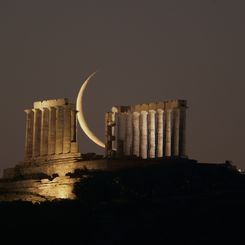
153 130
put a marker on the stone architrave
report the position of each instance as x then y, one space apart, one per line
29 134
160 127
143 135
152 133
168 132
136 134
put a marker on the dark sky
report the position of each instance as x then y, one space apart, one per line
145 51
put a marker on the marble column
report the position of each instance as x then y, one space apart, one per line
29 133
182 133
168 132
160 126
36 133
121 133
152 133
143 134
136 134
74 144
73 125
113 131
176 132
44 131
52 131
108 134
129 135
59 129
67 130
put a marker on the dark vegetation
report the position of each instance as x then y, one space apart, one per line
158 204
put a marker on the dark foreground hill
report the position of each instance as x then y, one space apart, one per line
157 204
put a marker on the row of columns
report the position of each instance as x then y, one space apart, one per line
151 134
50 131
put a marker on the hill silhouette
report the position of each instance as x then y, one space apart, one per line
163 203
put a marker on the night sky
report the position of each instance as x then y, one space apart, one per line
145 51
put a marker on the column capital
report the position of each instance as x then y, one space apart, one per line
160 111
152 112
143 112
36 110
27 111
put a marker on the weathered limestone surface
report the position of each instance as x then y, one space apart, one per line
136 134
176 132
44 132
67 130
168 132
29 133
160 127
152 133
143 133
50 130
36 133
129 135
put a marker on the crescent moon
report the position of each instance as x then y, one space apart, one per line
80 114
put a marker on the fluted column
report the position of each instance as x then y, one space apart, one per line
152 133
74 144
136 134
67 130
168 132
36 133
160 127
143 134
129 135
121 128
52 131
59 129
29 134
182 133
176 132
44 132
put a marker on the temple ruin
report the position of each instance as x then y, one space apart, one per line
152 130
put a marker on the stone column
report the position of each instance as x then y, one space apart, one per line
36 133
67 130
59 129
168 132
44 132
52 131
74 144
136 134
152 133
143 134
176 132
160 126
108 134
73 125
121 127
182 133
129 135
29 134
113 131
